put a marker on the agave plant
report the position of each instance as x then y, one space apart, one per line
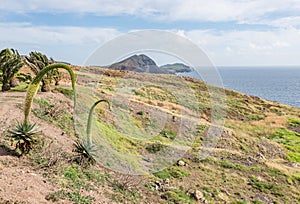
86 150
86 153
25 136
10 63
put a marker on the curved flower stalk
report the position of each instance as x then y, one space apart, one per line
37 61
35 84
89 122
86 149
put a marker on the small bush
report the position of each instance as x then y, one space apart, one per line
173 172
140 113
294 122
75 197
176 196
168 134
155 147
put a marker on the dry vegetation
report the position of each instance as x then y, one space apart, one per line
256 160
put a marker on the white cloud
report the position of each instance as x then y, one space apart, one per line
72 44
25 32
277 47
242 11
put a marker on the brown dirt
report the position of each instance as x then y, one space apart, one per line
19 182
22 180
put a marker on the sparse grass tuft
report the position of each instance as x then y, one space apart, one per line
176 196
172 172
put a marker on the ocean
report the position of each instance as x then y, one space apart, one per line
281 84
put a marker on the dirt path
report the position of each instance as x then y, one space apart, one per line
19 181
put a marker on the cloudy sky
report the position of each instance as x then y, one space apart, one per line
231 32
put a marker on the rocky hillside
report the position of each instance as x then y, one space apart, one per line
255 160
137 63
143 63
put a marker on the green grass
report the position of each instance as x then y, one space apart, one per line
168 134
73 180
68 92
49 112
155 93
21 88
264 186
155 147
117 139
290 140
176 196
230 165
74 197
41 102
172 172
294 122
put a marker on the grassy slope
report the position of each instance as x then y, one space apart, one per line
255 160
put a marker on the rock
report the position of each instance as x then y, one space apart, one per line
181 163
158 183
225 191
261 156
294 164
203 200
198 195
223 197
167 181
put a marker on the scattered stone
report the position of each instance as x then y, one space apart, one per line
167 181
208 194
198 195
225 191
261 156
162 185
181 163
203 200
294 164
223 197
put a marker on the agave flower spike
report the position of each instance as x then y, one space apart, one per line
89 122
34 86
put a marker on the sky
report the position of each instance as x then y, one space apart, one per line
230 32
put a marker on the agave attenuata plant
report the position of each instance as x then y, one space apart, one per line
24 136
86 153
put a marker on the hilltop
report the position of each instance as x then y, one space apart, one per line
143 63
256 159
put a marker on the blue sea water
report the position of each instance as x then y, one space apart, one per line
281 84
